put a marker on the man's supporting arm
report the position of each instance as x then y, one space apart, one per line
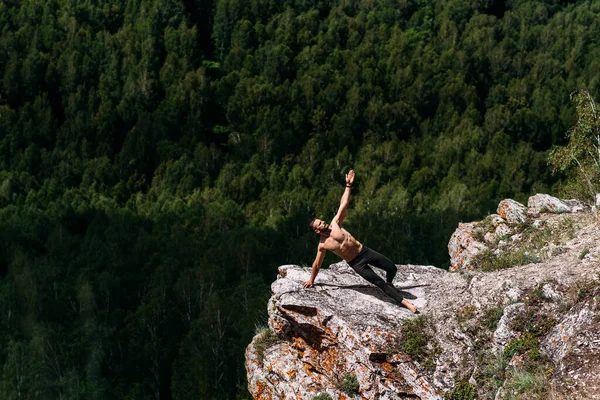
316 266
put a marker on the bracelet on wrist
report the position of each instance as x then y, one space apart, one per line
348 186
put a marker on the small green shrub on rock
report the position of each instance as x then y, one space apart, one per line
419 342
521 345
584 289
322 396
529 380
533 322
349 384
487 261
465 313
490 373
584 253
528 249
527 385
462 391
265 339
491 316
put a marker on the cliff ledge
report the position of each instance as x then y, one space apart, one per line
523 331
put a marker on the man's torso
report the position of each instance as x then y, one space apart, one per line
341 242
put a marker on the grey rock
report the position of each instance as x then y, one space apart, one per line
463 246
546 203
497 220
549 292
490 237
512 211
503 230
577 206
503 334
344 324
538 224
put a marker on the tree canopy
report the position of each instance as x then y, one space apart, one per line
160 159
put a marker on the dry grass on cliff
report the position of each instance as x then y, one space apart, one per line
530 244
265 338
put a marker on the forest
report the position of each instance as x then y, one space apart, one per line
159 160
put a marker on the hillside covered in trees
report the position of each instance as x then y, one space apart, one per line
159 159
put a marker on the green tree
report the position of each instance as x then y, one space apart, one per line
583 149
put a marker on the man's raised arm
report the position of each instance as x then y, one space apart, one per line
316 266
345 201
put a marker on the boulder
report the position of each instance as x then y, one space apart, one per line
471 238
345 325
573 344
503 230
463 246
540 203
577 206
497 220
512 211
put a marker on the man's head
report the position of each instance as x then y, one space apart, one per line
318 226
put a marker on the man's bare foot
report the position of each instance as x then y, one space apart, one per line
409 305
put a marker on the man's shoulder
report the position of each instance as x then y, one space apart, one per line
322 244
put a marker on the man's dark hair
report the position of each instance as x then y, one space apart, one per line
310 221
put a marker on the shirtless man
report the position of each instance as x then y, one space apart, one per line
335 238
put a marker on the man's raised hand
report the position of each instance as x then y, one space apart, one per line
350 178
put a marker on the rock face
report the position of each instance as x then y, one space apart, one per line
471 238
341 325
463 246
539 320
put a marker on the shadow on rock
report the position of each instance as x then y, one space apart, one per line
375 291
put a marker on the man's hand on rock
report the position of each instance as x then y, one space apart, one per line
308 284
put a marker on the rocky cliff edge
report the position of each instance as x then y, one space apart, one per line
526 331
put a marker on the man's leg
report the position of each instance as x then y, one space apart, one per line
370 275
380 261
367 273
